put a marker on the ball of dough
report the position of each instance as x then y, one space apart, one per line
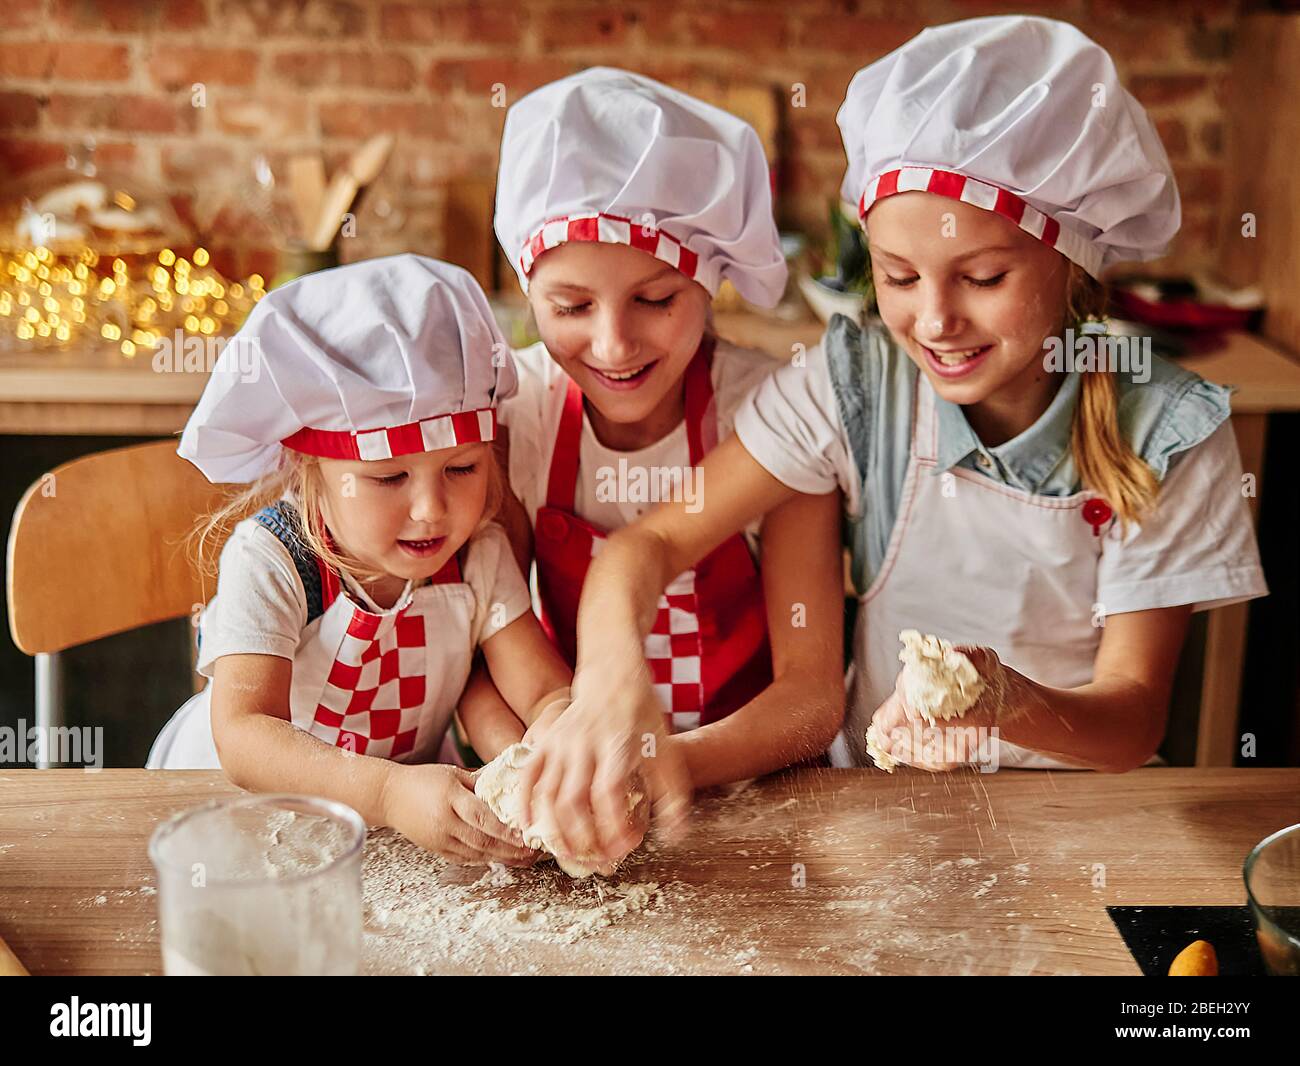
497 785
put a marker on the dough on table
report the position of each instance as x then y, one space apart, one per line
939 683
497 785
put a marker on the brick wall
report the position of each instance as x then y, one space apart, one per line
323 74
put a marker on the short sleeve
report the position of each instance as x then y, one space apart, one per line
500 592
260 607
1197 546
791 425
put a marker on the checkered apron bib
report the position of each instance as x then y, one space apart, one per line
708 651
392 678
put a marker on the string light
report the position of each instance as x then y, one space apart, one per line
53 300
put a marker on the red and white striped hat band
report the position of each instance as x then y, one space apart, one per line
612 229
428 435
991 198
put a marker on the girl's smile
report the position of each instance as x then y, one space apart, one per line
623 380
954 364
422 549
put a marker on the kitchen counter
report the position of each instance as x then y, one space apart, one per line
808 871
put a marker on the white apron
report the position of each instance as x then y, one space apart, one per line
979 563
382 683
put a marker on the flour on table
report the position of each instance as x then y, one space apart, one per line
939 683
497 785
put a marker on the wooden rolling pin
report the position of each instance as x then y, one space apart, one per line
9 964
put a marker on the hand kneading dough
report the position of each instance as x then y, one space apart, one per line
498 786
939 682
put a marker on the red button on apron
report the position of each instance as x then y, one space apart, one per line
1097 512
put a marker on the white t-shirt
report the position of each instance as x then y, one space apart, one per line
533 417
260 607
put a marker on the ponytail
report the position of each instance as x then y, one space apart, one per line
1105 462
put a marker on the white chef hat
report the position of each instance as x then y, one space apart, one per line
380 358
1019 115
607 155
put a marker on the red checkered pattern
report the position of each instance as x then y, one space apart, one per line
674 653
610 229
991 198
429 435
375 692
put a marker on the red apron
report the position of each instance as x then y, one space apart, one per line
708 652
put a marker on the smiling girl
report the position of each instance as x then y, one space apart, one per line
623 206
1061 526
365 571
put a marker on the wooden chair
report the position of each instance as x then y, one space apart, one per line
98 547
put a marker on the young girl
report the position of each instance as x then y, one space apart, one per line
1061 523
623 205
365 572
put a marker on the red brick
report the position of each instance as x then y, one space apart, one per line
374 70
480 75
184 14
132 114
26 156
26 59
91 61
23 14
351 119
366 70
304 70
744 31
115 16
1210 137
468 23
179 67
192 160
1155 11
299 18
1199 184
1153 90
582 27
19 111
271 120
866 38
1173 135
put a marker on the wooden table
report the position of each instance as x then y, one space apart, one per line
809 871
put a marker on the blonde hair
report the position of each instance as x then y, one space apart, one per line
1103 458
299 477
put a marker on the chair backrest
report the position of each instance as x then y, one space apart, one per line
98 546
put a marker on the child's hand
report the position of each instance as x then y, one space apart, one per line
435 806
556 705
906 736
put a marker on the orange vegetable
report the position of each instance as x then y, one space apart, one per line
1196 960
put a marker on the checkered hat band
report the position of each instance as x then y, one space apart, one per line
989 197
610 229
428 435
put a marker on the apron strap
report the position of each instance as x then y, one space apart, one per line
562 482
925 424
699 394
